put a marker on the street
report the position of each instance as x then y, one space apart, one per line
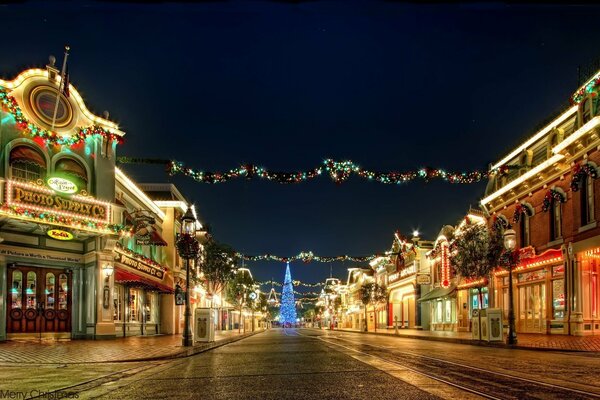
315 364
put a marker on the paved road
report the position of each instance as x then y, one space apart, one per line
312 364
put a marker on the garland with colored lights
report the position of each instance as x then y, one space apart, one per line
308 256
580 172
579 95
139 256
9 104
48 217
555 195
296 283
339 171
520 209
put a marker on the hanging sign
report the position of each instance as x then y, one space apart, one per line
62 185
140 266
423 279
59 234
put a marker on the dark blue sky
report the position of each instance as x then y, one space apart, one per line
390 86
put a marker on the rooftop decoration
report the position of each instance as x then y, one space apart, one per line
9 104
589 87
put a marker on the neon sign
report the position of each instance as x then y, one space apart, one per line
59 234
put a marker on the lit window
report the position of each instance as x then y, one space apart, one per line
26 164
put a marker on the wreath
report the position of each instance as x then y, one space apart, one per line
520 209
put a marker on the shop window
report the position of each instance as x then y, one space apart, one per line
26 164
524 230
17 289
558 298
148 307
135 303
555 220
505 302
589 287
438 312
63 292
448 311
475 299
587 200
30 290
49 291
118 302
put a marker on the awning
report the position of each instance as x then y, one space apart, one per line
28 155
71 167
438 293
156 239
135 281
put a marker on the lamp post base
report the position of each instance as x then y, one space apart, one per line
511 338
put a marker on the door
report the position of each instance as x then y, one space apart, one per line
40 300
532 307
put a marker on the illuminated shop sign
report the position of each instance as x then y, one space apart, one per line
402 274
62 185
140 266
41 198
59 234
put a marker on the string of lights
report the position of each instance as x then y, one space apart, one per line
296 283
308 256
338 171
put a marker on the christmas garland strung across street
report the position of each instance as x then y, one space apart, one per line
339 171
295 283
9 104
308 256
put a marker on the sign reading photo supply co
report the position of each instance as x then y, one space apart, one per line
140 266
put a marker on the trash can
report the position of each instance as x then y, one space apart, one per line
491 325
204 325
475 324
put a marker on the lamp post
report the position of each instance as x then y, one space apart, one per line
510 243
188 248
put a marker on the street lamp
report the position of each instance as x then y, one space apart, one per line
510 243
188 248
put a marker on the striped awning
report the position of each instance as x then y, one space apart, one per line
135 281
28 155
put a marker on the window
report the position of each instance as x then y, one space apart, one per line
586 110
17 289
438 313
49 291
555 220
30 291
524 230
135 303
587 200
118 302
148 307
26 164
74 169
558 298
589 287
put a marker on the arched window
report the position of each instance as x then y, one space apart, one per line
74 169
586 110
26 164
524 230
555 219
586 199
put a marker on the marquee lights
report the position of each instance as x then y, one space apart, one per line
445 259
52 208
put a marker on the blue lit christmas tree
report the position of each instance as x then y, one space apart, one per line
287 310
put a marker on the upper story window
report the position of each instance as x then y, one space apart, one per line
555 219
586 110
74 169
587 199
27 164
524 230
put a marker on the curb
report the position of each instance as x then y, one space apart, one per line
471 342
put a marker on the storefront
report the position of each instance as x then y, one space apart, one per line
539 292
588 267
139 283
403 307
443 308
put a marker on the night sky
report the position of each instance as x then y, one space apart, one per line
286 85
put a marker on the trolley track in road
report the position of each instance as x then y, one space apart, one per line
475 380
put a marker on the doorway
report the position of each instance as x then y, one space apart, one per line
39 300
532 308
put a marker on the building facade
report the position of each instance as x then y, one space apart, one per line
547 189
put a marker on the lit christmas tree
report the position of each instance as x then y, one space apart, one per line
287 310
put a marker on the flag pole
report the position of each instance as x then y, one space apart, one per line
62 80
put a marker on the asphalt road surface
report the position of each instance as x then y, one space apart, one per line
313 364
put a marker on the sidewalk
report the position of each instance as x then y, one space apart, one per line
135 348
528 341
